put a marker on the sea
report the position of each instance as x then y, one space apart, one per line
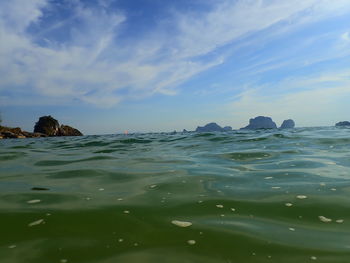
278 196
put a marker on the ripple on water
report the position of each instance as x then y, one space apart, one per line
113 198
64 162
247 156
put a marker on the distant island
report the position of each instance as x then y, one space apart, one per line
213 127
288 124
260 122
342 123
46 126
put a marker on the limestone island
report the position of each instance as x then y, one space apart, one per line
213 127
288 124
46 126
260 122
342 123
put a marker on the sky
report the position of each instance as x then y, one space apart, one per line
107 66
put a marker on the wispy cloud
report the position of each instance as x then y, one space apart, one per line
310 100
93 64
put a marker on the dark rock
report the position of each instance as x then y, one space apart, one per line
184 131
260 122
210 127
8 134
48 126
288 124
343 123
40 189
227 128
66 130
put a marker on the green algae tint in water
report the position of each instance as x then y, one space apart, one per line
265 196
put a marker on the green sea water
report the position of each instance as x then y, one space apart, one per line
247 197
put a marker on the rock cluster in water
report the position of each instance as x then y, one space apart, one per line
50 126
45 127
213 127
260 122
12 133
343 123
288 124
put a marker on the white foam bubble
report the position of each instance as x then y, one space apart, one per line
301 196
191 242
34 201
181 223
37 222
325 219
219 206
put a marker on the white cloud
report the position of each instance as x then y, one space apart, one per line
302 100
18 14
345 36
92 65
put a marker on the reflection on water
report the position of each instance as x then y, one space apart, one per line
262 196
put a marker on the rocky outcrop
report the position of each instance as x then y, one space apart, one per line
288 124
260 122
66 130
51 127
212 127
342 123
17 133
47 125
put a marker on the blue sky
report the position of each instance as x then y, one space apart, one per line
159 65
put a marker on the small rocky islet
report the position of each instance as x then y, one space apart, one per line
213 127
46 126
260 122
342 124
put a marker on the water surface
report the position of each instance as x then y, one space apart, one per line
252 196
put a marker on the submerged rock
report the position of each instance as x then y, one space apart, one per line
343 123
212 127
260 122
288 124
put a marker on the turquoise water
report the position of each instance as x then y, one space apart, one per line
259 196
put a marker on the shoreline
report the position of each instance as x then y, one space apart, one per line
17 133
